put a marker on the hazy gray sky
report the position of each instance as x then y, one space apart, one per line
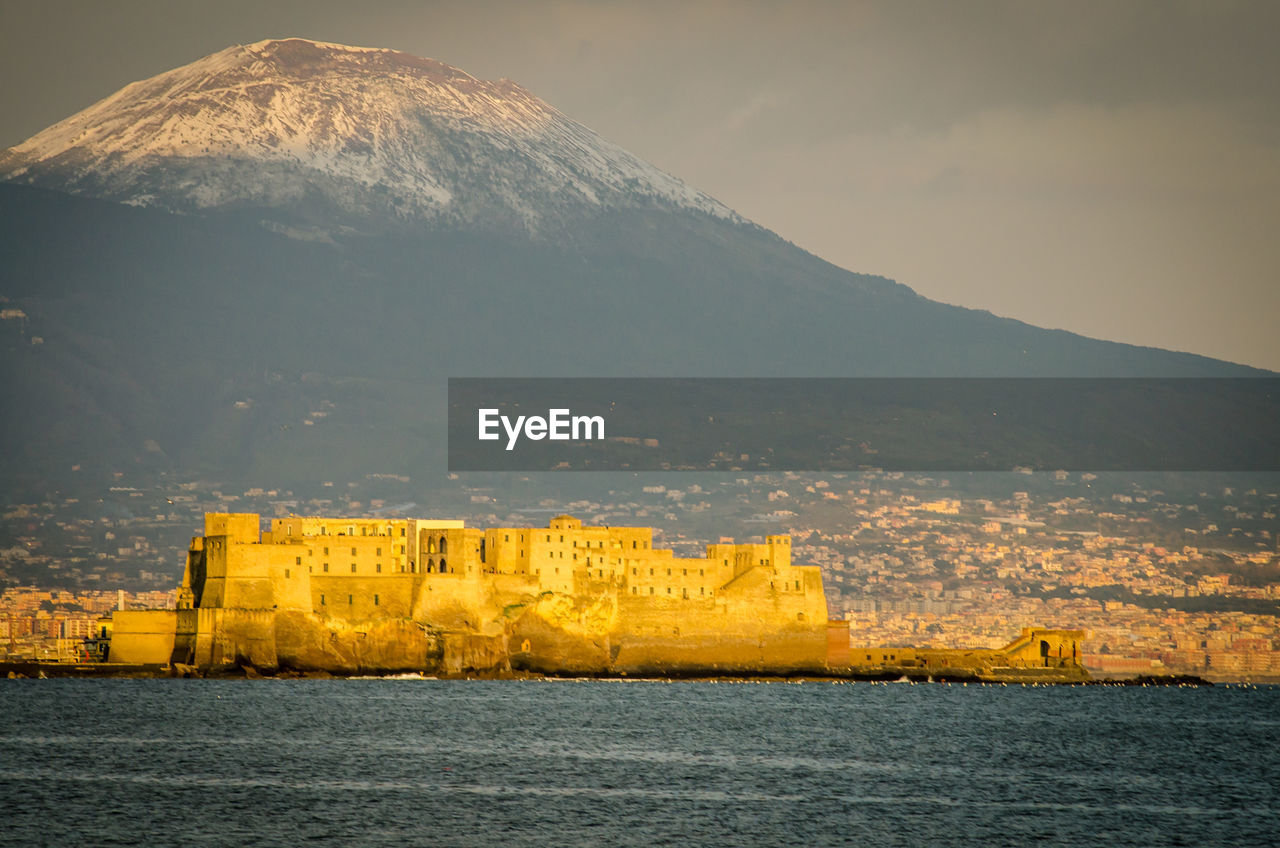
1111 168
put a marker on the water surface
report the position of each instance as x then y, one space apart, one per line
534 763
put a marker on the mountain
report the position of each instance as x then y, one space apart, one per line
261 267
327 133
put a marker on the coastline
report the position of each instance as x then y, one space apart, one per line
63 670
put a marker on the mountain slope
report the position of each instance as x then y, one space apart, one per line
372 136
316 347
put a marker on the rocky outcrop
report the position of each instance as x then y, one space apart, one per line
306 642
504 630
267 641
557 633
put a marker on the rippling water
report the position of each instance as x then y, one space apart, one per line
534 763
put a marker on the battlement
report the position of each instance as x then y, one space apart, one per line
241 527
348 568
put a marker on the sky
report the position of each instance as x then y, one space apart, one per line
1110 168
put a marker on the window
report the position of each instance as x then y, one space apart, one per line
685 572
379 551
402 531
650 590
321 599
634 572
353 551
702 590
286 574
797 585
633 544
548 537
375 600
378 568
326 551
353 568
326 568
651 572
350 599
700 572
551 555
668 590
297 560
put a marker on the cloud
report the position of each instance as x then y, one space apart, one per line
1073 151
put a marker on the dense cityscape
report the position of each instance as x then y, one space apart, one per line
1168 574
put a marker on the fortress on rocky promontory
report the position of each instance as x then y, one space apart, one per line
345 594
374 595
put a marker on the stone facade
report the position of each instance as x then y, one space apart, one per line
1037 653
380 595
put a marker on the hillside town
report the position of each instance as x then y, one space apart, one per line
1167 574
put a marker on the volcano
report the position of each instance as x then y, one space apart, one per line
262 266
330 134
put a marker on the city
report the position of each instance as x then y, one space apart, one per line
1167 575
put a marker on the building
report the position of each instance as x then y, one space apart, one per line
1036 654
343 594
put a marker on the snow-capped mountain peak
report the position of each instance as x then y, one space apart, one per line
293 127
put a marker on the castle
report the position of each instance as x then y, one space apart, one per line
346 594
349 595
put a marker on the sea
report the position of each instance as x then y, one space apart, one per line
409 761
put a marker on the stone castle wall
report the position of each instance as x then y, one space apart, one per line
1036 651
560 598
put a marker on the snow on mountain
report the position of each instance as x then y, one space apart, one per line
302 129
